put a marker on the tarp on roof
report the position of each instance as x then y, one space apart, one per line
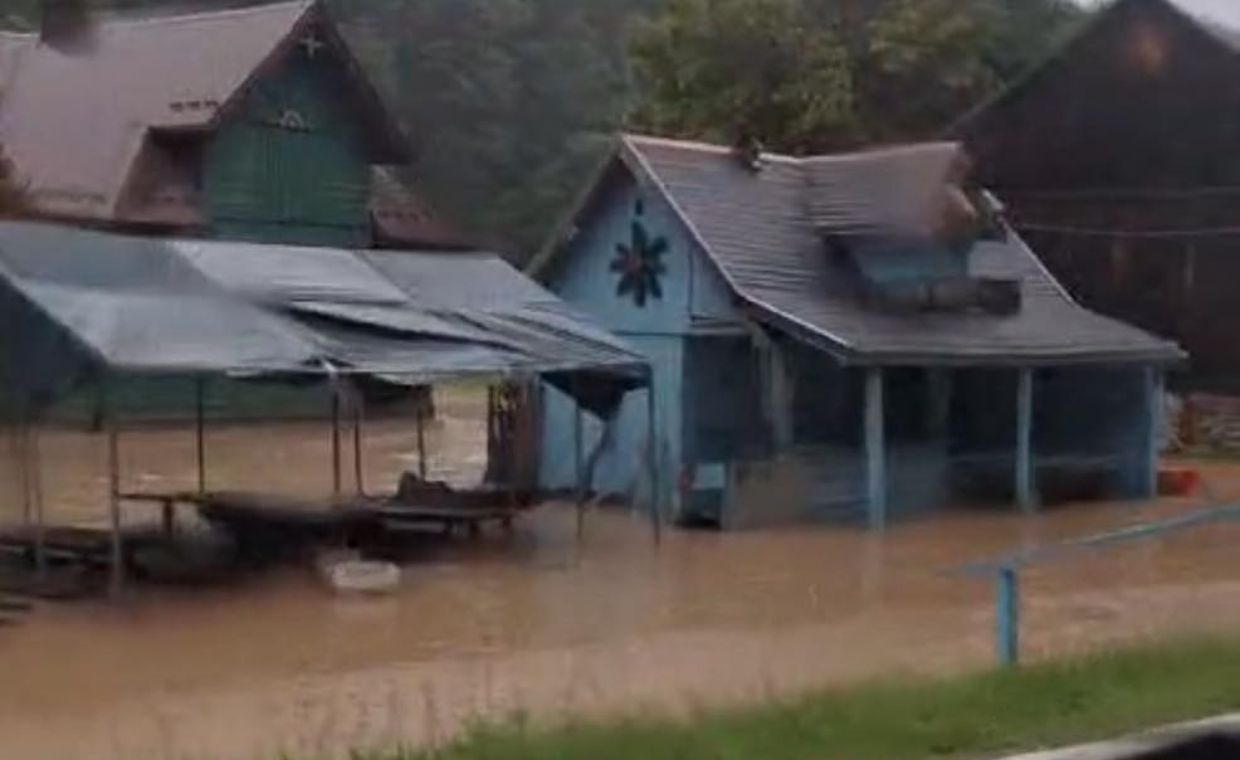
758 228
896 191
77 302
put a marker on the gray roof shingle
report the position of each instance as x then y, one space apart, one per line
760 230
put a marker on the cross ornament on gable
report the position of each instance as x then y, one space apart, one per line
311 44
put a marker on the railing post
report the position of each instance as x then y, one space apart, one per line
1007 616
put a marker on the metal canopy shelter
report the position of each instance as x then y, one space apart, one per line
83 308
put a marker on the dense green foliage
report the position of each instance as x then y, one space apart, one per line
812 75
984 715
513 102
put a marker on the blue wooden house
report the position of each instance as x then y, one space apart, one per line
845 336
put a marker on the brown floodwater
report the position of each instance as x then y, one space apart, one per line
540 623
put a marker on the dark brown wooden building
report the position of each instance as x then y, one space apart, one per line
1119 160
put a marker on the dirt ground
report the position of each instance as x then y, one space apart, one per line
544 624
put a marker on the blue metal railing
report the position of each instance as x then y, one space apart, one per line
1006 569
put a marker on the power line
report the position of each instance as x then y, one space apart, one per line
1202 191
1130 234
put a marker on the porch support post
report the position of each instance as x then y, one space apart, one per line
652 455
1151 449
781 397
875 449
1026 495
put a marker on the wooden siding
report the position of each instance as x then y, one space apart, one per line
658 329
1128 134
290 165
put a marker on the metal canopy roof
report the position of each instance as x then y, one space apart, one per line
78 303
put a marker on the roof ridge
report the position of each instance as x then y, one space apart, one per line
109 22
883 150
701 146
864 152
172 18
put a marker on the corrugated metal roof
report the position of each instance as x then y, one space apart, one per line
765 231
75 301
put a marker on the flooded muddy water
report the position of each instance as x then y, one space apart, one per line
541 624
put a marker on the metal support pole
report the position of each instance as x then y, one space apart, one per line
114 502
21 450
200 432
1007 617
335 441
652 455
357 446
1026 493
875 450
422 440
35 484
579 462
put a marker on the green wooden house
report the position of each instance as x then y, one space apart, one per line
253 124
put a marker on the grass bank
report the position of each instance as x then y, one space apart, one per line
981 715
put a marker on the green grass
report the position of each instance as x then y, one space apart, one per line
982 715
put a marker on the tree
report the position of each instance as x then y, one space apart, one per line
511 102
717 69
814 75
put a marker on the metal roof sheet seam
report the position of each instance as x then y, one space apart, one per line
160 305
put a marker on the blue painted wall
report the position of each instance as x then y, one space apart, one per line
585 277
621 469
893 261
688 288
710 297
940 427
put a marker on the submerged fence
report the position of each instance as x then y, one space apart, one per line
1006 569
